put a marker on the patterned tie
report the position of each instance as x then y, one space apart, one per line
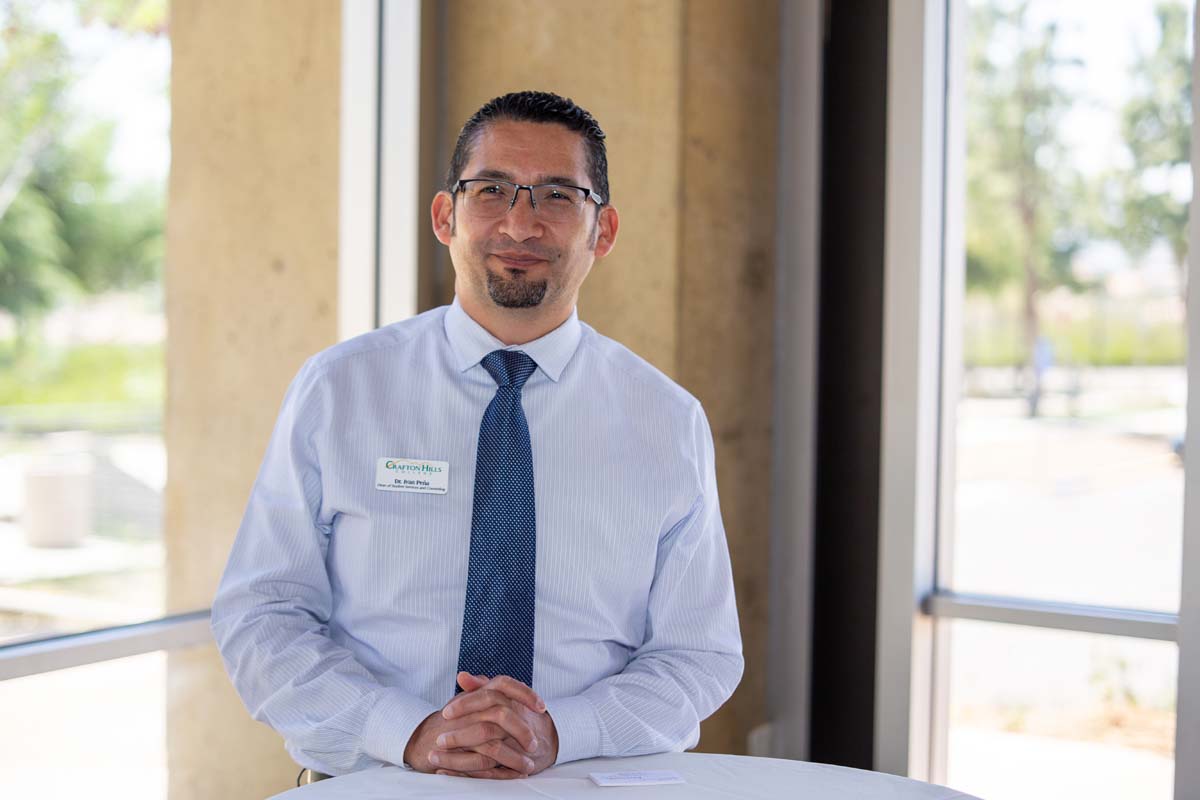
497 634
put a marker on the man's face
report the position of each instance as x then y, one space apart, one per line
520 260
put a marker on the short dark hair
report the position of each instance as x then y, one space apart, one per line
536 107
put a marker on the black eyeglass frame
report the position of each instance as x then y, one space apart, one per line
517 187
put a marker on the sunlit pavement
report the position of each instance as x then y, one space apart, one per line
996 765
1083 510
94 732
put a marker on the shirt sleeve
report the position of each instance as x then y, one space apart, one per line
691 659
270 617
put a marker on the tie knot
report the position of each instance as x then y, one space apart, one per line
509 367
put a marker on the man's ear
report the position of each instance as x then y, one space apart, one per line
606 235
441 214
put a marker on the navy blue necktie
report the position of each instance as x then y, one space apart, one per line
497 634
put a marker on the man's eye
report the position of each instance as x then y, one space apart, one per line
493 189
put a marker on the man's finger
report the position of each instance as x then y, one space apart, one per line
518 691
470 682
461 760
470 736
485 756
509 687
471 702
507 756
513 724
481 698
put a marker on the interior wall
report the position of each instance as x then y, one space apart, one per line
628 76
251 287
726 299
687 93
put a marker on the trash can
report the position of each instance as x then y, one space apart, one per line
58 493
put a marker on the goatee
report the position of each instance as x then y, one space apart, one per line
515 292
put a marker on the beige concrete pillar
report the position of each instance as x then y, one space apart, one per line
251 292
687 94
621 60
726 300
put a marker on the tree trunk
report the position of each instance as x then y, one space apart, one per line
1032 328
1027 209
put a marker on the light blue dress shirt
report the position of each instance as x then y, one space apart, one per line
340 611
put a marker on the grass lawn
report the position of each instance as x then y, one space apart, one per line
96 387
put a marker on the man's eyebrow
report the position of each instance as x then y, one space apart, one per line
501 175
560 179
495 174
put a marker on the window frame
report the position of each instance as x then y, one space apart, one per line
379 164
794 406
377 177
924 230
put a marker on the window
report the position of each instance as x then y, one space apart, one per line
1036 386
84 155
84 643
83 164
111 742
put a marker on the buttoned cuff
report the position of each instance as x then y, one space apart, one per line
391 723
578 728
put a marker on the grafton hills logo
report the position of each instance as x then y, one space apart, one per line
410 468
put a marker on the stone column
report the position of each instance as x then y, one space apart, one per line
251 289
687 93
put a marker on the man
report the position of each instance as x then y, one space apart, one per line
486 540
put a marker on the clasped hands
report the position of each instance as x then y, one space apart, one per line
497 728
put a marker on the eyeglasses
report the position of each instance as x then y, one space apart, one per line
485 198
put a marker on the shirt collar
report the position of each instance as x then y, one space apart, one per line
471 342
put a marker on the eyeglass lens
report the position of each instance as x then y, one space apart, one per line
495 198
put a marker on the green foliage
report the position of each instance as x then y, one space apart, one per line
65 228
31 257
110 241
1156 128
1027 204
145 16
83 375
1030 209
1116 342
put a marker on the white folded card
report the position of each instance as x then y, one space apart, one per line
636 777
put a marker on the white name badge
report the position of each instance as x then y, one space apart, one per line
412 475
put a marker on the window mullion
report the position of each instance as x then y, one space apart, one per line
77 649
908 498
1047 614
1187 720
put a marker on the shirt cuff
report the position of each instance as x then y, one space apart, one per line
390 724
578 728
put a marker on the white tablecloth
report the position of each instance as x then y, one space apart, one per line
707 776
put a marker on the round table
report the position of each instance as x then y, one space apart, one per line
707 776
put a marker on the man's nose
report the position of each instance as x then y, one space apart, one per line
521 222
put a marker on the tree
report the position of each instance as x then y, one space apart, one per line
63 227
1024 215
1156 126
131 16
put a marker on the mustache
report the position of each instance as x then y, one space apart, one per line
524 250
